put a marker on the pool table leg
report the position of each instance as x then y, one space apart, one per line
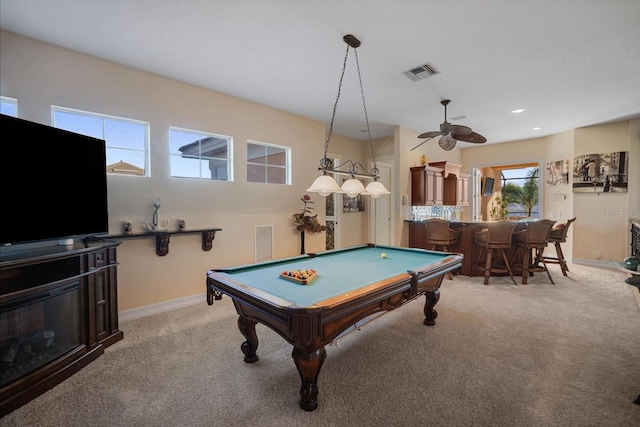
309 362
250 346
429 313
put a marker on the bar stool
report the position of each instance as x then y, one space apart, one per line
441 237
497 236
557 236
531 243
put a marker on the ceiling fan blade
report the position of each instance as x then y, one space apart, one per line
459 129
473 137
431 134
428 138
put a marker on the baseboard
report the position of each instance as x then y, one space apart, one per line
148 310
594 263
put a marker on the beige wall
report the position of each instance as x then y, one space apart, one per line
40 75
603 220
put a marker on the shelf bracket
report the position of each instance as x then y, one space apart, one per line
162 244
207 239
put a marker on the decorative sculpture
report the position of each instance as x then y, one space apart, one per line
156 225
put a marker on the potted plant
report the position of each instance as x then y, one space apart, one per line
306 222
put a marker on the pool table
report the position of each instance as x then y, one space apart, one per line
351 285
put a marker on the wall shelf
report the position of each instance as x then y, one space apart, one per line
163 238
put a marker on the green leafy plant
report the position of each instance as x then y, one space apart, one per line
499 208
305 221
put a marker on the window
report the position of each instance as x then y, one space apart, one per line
268 163
9 106
127 140
200 155
520 190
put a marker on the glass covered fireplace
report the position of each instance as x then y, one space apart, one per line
37 328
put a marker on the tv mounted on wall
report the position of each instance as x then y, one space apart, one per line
487 188
53 184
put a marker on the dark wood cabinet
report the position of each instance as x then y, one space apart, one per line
62 301
439 183
426 186
102 283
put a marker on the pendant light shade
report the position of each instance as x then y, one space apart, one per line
353 187
376 189
324 185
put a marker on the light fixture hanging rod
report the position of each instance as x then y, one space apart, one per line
345 173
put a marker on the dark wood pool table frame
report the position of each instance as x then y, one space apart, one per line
310 329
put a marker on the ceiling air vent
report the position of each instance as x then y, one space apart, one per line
421 72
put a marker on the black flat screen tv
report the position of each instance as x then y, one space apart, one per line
53 184
487 189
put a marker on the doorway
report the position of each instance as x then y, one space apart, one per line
333 207
510 183
381 214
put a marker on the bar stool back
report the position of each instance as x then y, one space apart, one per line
557 236
531 243
496 237
440 236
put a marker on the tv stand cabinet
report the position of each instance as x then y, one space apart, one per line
86 274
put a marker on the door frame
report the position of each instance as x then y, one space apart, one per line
337 207
541 165
387 163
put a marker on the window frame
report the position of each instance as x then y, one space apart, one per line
287 167
202 135
504 180
5 100
104 117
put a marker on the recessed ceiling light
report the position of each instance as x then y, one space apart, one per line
537 128
518 111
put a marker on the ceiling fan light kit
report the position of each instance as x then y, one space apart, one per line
450 133
447 143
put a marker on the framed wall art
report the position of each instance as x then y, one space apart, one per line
352 204
601 173
558 172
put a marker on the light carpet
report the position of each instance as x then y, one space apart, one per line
499 355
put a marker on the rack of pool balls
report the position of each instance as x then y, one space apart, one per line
299 276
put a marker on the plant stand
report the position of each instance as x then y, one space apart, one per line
302 243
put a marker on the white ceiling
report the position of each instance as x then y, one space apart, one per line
568 63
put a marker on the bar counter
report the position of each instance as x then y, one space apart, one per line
466 241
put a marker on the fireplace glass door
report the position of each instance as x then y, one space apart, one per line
37 329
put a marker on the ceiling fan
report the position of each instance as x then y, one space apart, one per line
450 133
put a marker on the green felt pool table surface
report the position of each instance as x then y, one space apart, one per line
338 272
